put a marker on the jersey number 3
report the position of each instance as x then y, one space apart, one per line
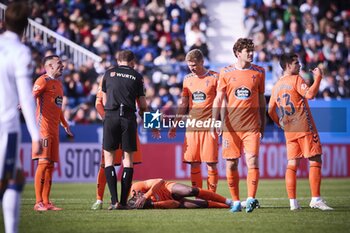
286 108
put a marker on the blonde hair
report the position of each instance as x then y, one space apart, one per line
194 55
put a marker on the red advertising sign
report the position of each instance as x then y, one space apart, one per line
79 162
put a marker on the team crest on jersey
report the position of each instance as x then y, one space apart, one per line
36 87
254 77
303 86
199 97
58 101
112 74
242 93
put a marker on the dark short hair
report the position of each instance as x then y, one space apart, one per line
16 17
287 58
243 43
125 55
49 58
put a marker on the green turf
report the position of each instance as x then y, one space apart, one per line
274 216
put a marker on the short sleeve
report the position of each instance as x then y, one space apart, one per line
185 91
222 83
103 86
39 86
23 67
141 87
300 86
262 83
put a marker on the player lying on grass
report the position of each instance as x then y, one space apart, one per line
161 194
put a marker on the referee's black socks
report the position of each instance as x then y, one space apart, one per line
126 184
111 178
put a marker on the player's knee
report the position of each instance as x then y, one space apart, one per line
316 159
195 165
294 162
211 166
232 164
252 162
194 191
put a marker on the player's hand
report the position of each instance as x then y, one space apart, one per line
67 129
156 134
172 132
317 72
281 125
216 131
262 130
219 130
140 202
37 147
213 132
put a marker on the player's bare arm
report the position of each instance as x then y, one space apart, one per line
180 112
262 109
141 101
217 104
272 111
313 90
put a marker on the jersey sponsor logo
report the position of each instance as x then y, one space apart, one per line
58 101
128 76
242 93
199 97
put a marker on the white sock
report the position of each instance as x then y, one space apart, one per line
10 207
315 199
248 198
228 202
236 202
293 202
99 201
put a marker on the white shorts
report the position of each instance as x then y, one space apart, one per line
9 154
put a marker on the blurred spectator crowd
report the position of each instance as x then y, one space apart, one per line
317 30
161 32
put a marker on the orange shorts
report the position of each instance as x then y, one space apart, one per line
304 147
50 149
199 146
234 143
119 155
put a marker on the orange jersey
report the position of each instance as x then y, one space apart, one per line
49 95
242 87
201 92
154 189
295 115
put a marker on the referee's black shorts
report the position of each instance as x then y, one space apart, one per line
119 130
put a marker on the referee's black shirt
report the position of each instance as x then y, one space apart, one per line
122 85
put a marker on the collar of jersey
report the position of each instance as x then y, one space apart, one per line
234 65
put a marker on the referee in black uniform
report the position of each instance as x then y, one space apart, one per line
121 87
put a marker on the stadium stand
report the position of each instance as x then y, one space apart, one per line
160 32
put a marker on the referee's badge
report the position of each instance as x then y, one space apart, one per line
112 74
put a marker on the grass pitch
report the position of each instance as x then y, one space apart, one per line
273 216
